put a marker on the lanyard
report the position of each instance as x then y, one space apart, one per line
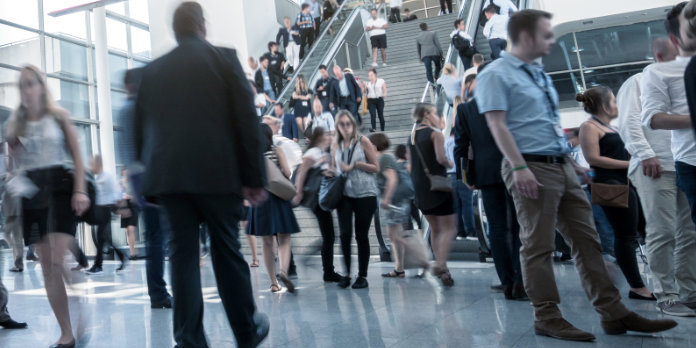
544 88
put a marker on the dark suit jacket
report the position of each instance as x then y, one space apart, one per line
472 130
690 84
353 88
196 127
258 80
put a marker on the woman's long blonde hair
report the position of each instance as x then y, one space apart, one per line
356 134
301 84
17 124
449 69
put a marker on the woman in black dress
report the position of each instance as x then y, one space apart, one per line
606 153
437 206
302 97
274 221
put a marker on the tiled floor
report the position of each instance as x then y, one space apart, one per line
112 310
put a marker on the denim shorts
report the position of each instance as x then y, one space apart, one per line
397 214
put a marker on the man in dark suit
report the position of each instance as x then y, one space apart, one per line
196 128
483 172
346 94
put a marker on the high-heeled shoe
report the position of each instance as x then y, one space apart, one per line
63 345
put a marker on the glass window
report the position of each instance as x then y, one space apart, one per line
117 67
567 85
118 100
66 59
611 77
19 47
72 96
615 45
139 11
9 93
118 7
138 63
84 138
140 42
116 37
25 12
563 55
73 24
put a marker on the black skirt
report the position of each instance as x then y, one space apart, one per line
131 220
50 209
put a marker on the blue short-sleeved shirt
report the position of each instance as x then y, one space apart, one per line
527 94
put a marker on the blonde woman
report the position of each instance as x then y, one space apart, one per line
450 82
355 156
44 144
301 96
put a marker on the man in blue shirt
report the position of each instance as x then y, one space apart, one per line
306 23
521 108
315 10
289 129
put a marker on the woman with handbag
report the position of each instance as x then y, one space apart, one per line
605 152
44 143
354 157
301 97
315 164
274 221
433 188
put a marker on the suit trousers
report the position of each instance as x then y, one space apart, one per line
104 236
670 236
222 214
504 233
156 233
561 203
4 314
13 231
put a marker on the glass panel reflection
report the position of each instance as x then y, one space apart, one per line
615 45
611 77
66 59
72 96
567 85
19 47
562 56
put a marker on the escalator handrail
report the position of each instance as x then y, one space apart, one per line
309 54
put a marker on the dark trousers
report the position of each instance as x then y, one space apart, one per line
364 210
428 61
156 233
317 31
376 107
395 15
446 6
104 235
80 256
686 180
222 214
351 105
497 46
328 236
624 222
463 207
466 60
276 81
504 233
307 37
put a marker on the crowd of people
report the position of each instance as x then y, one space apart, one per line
508 144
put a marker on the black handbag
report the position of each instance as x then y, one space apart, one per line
331 189
310 190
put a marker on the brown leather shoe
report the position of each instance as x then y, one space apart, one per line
561 329
634 322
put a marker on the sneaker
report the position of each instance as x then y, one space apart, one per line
32 257
374 64
332 277
384 65
16 269
344 282
675 308
94 270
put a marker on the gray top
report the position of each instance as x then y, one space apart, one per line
42 145
359 184
428 44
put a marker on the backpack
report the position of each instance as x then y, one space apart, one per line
460 43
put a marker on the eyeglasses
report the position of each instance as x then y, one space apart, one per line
345 124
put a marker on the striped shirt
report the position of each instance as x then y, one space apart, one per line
301 17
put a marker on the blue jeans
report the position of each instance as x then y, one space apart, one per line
463 206
497 46
686 180
428 61
603 227
504 233
156 232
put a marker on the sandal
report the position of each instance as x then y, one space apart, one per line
444 275
254 263
394 274
288 283
275 287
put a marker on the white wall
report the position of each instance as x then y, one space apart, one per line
246 25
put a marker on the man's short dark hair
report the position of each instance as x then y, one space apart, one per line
400 152
477 58
373 9
424 26
188 20
281 105
304 6
491 9
525 20
672 20
456 23
133 77
271 44
481 67
262 58
323 67
407 10
380 140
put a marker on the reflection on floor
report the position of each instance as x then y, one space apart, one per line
113 311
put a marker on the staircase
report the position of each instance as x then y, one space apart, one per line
404 74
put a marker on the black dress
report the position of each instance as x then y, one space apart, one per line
303 107
429 202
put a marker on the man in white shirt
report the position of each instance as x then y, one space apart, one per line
668 220
476 60
496 31
321 119
663 98
292 151
507 7
377 28
462 37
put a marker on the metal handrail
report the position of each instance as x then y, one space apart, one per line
309 54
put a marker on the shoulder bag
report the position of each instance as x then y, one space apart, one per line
437 182
278 184
331 189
